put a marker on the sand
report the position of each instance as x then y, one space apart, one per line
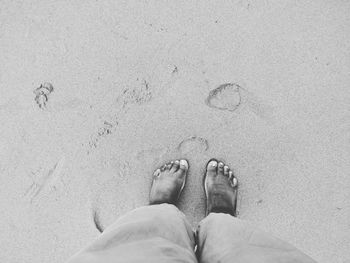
262 85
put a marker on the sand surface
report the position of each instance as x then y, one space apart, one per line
262 85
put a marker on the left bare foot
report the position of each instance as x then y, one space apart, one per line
168 182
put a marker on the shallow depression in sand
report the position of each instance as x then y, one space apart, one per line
225 97
193 144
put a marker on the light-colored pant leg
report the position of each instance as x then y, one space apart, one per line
156 233
226 239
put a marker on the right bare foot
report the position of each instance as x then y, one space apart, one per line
220 188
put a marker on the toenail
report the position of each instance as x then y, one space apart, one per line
235 182
221 164
213 163
183 163
177 162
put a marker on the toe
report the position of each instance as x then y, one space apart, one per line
162 169
234 182
183 165
168 166
183 168
156 173
221 168
175 166
233 179
212 168
230 175
226 170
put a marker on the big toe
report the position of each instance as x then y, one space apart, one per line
212 168
183 167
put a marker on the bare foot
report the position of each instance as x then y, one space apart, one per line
168 182
220 188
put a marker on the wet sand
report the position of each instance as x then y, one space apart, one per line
261 85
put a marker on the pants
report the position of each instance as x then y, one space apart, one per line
161 233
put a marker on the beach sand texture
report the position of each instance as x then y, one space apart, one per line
95 95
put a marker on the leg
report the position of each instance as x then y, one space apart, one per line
224 238
155 233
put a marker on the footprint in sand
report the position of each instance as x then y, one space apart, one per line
193 144
231 96
225 97
42 94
